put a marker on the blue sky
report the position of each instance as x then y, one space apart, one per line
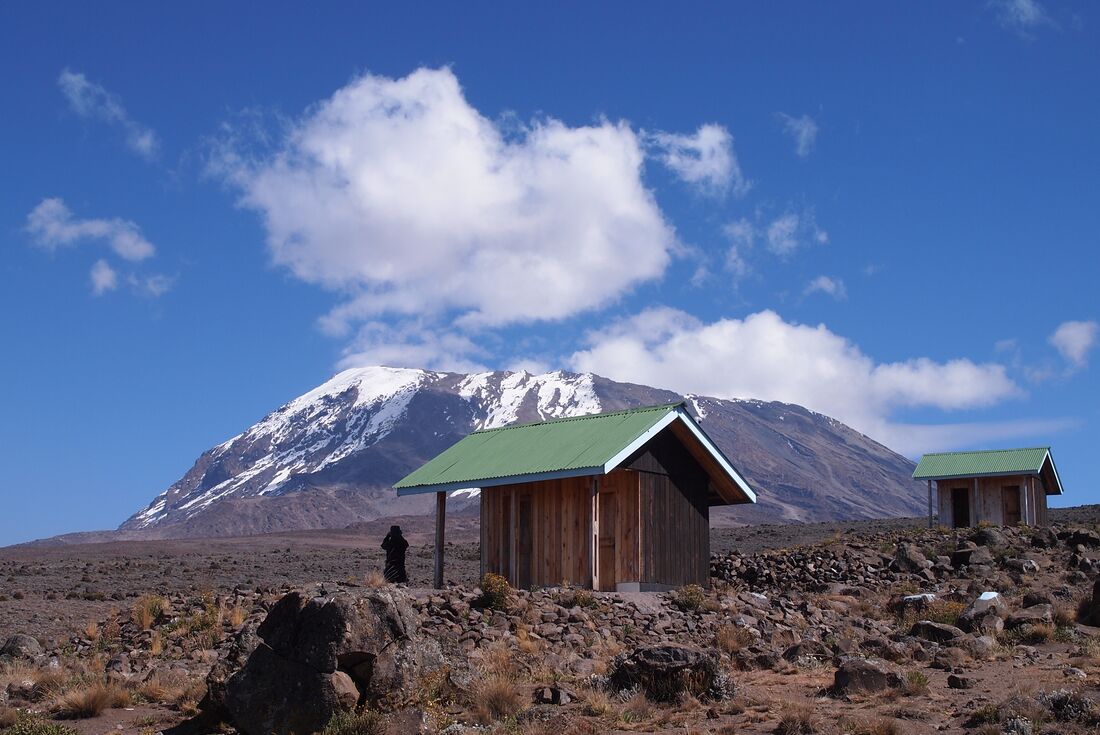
886 212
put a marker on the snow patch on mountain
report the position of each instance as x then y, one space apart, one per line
557 395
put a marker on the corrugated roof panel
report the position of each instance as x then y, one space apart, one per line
558 445
989 462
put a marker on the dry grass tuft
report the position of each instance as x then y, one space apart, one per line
90 701
91 631
799 719
636 709
597 702
364 722
237 616
496 659
732 638
156 644
916 683
495 697
375 579
147 609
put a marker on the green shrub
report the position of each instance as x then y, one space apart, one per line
32 725
690 598
495 592
364 722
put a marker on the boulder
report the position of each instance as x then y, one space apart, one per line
1023 566
1091 607
808 649
1044 538
909 558
665 672
935 632
954 681
1081 537
319 656
864 676
985 614
1034 615
964 557
21 646
988 536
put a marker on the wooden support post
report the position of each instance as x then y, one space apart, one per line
440 524
929 503
975 516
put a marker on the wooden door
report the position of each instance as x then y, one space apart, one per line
1010 498
960 507
606 561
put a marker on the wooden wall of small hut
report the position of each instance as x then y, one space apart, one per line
986 497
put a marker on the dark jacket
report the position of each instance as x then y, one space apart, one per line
395 546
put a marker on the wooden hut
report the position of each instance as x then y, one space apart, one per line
1004 487
614 501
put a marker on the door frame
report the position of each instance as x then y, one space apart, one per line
956 494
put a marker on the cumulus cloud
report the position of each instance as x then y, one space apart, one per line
762 356
828 285
405 199
793 230
92 101
52 225
1074 340
104 278
705 160
803 131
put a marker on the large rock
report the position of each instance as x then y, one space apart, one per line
1035 615
1091 611
1080 537
935 632
318 656
985 614
909 558
21 646
665 672
864 676
966 556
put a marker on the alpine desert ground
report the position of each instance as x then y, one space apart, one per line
861 627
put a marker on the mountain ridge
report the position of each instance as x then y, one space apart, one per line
329 457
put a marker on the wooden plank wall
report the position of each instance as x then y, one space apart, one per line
988 504
545 545
624 485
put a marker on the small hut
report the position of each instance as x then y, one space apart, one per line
613 501
1004 487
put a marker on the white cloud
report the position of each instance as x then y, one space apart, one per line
803 131
412 345
705 159
153 285
1022 16
742 236
401 196
1074 340
52 226
104 278
91 100
762 356
793 230
828 285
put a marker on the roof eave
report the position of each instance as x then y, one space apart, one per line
498 481
965 475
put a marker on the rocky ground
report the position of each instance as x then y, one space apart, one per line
869 627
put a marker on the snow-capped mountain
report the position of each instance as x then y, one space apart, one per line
329 457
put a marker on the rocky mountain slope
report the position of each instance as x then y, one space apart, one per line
329 457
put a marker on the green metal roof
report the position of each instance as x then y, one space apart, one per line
992 462
569 447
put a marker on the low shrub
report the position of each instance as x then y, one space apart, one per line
85 702
33 725
690 598
916 683
496 593
363 722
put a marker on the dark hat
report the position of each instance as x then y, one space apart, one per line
395 529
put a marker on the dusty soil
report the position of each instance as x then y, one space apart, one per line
54 592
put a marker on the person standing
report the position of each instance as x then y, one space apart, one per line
395 546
